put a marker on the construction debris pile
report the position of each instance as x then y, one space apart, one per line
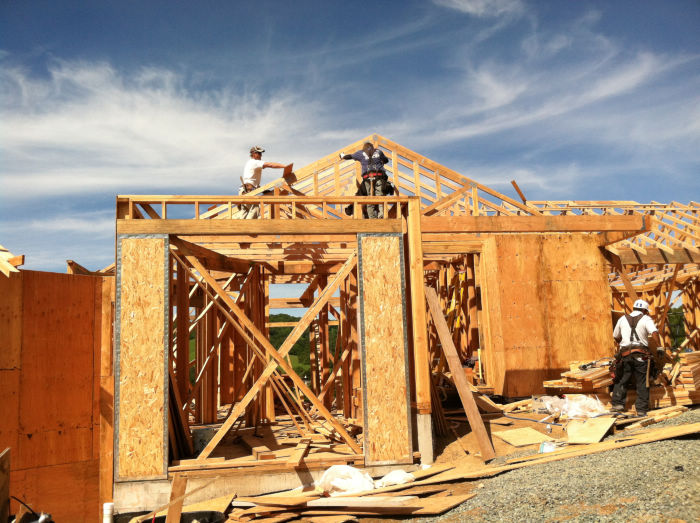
677 384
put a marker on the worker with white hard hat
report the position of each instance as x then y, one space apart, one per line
634 359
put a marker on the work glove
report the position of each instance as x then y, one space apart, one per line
340 155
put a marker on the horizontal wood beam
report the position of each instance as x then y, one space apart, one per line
504 224
655 255
296 303
222 227
216 261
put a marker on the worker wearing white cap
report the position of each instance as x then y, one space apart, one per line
252 172
634 359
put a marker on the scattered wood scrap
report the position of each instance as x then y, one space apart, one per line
522 437
430 494
657 416
590 430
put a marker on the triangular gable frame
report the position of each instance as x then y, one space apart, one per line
442 191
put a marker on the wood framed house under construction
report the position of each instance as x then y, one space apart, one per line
454 273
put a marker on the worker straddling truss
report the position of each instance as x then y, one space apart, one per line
375 182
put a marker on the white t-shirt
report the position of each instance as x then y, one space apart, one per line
252 172
623 330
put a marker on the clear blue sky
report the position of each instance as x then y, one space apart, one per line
573 99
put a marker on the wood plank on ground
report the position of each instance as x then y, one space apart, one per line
522 437
420 507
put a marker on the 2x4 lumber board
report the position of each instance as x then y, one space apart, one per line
278 357
420 507
444 202
387 426
210 241
142 281
534 223
421 362
173 500
300 452
6 267
182 342
617 264
177 496
217 261
459 377
322 227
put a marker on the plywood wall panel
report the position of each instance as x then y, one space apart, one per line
9 409
547 302
68 492
54 447
10 321
57 355
142 317
387 429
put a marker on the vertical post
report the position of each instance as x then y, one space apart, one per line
265 329
420 338
182 358
324 345
356 364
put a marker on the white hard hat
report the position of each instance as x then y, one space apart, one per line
641 304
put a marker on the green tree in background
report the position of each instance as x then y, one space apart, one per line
676 326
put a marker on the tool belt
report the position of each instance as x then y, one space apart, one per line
632 350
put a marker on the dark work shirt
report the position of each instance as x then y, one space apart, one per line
374 164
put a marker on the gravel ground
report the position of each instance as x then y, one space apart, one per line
652 482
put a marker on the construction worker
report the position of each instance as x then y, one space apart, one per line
375 182
634 358
252 174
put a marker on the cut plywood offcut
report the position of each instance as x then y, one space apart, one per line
522 437
589 430
141 430
387 430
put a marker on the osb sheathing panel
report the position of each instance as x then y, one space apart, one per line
57 378
547 302
10 320
387 434
142 309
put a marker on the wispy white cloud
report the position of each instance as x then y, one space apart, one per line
88 128
485 8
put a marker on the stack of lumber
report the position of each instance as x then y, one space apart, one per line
685 384
591 380
684 388
689 375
